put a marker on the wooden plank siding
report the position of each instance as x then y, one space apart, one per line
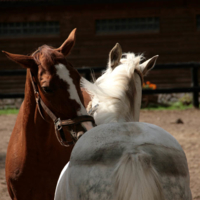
12 84
177 41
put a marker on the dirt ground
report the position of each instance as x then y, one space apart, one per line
188 135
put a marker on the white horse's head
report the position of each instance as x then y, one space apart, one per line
118 91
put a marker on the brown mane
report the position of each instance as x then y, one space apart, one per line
47 55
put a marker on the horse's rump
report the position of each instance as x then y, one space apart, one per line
125 160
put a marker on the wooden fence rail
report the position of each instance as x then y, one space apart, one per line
86 72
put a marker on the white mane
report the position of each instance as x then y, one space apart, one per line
110 91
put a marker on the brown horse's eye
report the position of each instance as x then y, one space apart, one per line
47 89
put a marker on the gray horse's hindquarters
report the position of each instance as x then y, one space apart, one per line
110 141
98 152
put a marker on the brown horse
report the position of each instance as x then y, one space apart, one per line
35 158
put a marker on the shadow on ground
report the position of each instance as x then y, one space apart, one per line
2 160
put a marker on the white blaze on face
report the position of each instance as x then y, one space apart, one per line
63 74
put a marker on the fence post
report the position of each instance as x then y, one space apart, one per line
195 85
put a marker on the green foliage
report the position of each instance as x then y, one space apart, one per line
186 99
8 111
175 106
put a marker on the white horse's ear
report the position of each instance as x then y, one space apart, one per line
115 56
146 66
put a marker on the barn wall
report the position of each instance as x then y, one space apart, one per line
176 41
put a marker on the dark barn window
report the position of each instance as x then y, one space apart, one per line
29 28
132 25
198 22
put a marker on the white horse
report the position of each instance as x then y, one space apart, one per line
120 159
117 93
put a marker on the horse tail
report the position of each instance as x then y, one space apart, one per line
136 178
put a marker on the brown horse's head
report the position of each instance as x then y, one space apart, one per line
57 81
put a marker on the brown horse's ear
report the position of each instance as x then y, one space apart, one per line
68 44
24 61
115 56
146 66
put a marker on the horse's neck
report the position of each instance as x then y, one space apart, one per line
34 126
135 97
29 104
124 106
115 111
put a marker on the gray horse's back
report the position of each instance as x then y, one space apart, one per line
96 156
